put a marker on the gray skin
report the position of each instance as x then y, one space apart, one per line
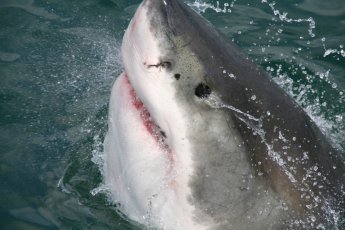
260 164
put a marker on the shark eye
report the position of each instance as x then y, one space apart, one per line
177 76
202 91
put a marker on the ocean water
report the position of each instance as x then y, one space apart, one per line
58 60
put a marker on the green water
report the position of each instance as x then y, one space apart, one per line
58 60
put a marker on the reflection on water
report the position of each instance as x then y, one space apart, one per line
58 60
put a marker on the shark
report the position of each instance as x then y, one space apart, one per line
200 137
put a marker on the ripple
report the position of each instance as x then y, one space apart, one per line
8 57
28 6
324 8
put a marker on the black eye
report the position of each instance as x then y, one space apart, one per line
202 91
177 76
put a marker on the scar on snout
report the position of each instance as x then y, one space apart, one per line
163 64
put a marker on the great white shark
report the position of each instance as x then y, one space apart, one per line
201 138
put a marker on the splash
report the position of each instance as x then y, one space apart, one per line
283 17
201 7
98 159
255 124
311 100
313 173
338 51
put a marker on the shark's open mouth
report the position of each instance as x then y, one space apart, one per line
158 135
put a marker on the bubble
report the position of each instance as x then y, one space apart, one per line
338 118
285 206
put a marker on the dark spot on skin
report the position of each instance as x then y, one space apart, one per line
163 134
177 76
202 91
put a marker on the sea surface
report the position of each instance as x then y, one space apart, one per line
59 59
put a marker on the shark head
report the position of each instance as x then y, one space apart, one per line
159 64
